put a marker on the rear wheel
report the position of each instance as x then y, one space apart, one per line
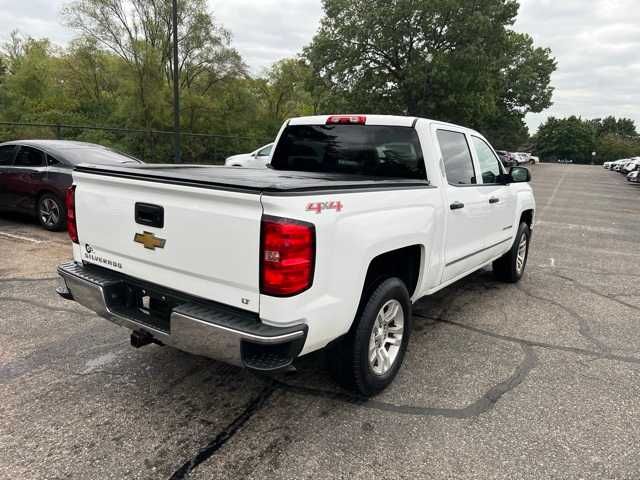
368 358
510 267
51 212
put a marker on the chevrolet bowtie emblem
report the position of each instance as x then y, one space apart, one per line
149 240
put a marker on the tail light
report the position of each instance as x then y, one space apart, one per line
287 256
347 119
72 227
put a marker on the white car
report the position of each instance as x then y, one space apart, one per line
523 158
357 219
618 164
257 159
630 166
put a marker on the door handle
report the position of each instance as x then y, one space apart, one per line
494 200
456 205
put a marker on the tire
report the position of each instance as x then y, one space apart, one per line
532 162
510 267
51 212
349 357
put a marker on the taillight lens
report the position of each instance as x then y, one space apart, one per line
287 256
72 226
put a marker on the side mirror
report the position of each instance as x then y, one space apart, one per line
520 174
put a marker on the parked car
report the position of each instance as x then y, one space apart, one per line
617 165
507 158
35 175
522 158
354 221
257 159
634 176
630 166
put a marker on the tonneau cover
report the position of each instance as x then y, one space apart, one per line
267 181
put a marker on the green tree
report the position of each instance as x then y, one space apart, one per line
615 126
283 92
614 147
139 33
569 138
452 60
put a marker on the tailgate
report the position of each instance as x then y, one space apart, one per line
211 237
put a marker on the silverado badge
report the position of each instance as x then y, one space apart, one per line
149 240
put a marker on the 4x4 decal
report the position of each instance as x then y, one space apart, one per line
318 207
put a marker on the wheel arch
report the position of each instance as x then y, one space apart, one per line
405 262
48 191
527 216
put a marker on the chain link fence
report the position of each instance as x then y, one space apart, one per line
151 146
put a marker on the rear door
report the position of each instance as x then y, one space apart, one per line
26 177
497 196
7 154
466 211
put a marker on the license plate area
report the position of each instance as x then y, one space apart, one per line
142 305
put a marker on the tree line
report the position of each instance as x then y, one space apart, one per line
576 139
452 60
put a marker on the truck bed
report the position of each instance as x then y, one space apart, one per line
258 181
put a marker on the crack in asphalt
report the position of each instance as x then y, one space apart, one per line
590 271
584 328
595 292
226 434
532 343
483 404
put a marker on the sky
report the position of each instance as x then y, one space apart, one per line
596 43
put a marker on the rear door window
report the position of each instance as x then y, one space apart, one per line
29 157
456 156
367 150
7 153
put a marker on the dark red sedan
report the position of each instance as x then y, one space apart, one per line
35 174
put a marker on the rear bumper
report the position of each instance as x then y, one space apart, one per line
203 328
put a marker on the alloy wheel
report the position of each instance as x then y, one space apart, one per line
49 212
522 255
386 337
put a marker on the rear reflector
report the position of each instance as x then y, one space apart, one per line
72 226
287 256
347 119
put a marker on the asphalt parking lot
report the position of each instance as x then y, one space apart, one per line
539 380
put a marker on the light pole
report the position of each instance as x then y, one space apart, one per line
176 86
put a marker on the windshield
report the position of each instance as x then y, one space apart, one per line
99 156
370 150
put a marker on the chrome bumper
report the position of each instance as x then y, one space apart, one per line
210 330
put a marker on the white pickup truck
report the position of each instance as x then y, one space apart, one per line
357 218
